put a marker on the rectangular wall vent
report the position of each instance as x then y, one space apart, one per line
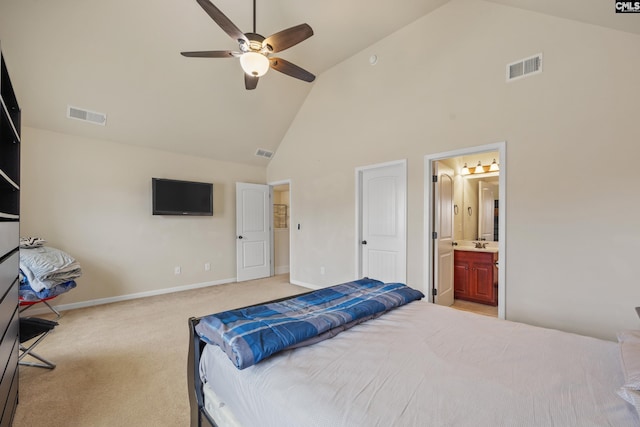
86 115
261 152
524 67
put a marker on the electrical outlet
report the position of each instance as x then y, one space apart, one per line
207 266
177 270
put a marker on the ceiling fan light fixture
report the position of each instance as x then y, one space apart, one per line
254 64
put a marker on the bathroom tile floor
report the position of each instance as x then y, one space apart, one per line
474 307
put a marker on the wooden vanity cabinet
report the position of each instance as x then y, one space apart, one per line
476 277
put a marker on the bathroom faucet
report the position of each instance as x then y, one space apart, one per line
481 245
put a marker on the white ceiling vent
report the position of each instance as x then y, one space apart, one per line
261 152
86 115
524 67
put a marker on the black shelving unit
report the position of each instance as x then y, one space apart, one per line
9 243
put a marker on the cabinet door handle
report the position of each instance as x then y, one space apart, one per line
364 242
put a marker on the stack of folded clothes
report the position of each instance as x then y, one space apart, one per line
45 272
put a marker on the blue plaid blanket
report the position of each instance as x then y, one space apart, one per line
249 335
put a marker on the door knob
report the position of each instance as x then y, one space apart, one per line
240 237
364 242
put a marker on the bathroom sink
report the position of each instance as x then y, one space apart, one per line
470 245
474 249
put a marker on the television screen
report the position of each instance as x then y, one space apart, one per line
173 197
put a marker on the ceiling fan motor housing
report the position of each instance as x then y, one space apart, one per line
255 44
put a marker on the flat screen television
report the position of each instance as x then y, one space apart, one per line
173 197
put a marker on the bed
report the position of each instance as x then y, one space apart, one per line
421 364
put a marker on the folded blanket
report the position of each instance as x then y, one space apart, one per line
45 267
249 335
28 294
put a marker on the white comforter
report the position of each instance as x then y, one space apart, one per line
446 368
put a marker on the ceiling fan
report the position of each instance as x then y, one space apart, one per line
255 50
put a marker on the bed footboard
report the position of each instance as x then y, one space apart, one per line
199 416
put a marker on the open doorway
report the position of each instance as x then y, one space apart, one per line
263 215
465 210
281 227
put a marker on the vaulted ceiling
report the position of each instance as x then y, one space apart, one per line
122 58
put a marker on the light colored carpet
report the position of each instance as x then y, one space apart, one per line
125 364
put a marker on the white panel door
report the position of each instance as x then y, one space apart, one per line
486 206
253 231
443 244
384 235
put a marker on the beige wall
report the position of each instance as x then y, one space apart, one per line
92 199
572 144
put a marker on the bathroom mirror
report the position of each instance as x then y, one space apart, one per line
476 206
480 208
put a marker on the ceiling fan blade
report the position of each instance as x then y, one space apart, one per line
250 82
210 54
287 38
290 69
224 22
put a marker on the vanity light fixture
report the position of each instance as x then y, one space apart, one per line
494 167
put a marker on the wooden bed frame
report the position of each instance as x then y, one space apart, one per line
199 415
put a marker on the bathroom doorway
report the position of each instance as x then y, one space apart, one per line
477 211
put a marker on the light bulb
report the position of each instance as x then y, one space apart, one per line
254 64
479 168
494 166
465 170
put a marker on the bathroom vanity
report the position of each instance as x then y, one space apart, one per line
476 275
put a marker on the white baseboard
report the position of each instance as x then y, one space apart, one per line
304 285
119 298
